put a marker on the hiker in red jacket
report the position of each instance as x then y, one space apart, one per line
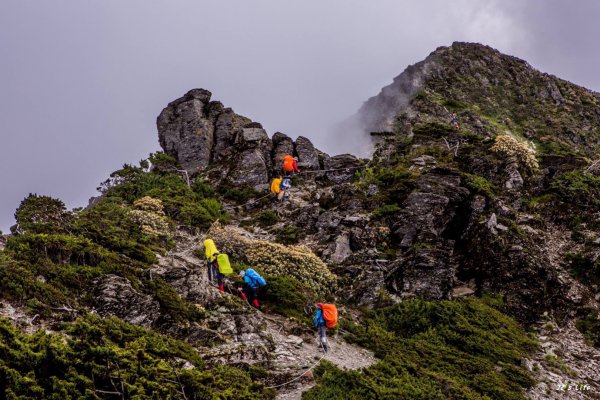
290 164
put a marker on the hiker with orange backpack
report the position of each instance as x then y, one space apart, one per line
325 317
290 164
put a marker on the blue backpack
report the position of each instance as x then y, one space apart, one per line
285 184
255 278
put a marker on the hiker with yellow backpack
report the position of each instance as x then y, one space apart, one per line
325 317
218 265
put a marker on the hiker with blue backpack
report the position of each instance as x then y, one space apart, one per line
253 282
285 186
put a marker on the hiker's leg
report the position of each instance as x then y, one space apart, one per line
209 271
323 337
215 272
220 282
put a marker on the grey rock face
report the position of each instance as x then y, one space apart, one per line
227 127
514 181
282 145
186 130
345 164
427 260
252 169
254 135
341 249
308 158
115 296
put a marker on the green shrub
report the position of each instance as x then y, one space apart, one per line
589 325
290 235
577 188
454 105
386 211
97 357
288 296
191 206
42 214
480 185
267 218
239 196
433 350
170 301
395 183
108 223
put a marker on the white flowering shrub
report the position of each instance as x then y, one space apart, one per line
148 203
150 216
509 146
275 259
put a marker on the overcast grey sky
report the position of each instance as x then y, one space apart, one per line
81 82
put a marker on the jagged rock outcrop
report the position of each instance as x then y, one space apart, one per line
204 136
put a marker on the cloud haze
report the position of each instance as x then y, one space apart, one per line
82 82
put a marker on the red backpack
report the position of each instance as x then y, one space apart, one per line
330 315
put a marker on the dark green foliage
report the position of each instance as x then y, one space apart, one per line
42 214
479 185
108 224
288 296
578 188
237 195
585 266
454 105
162 162
290 235
19 281
59 249
186 205
589 325
394 183
385 211
108 355
267 218
554 147
433 350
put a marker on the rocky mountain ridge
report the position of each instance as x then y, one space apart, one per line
464 261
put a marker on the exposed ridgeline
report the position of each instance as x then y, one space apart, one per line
493 92
205 136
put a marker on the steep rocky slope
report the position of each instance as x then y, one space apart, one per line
464 261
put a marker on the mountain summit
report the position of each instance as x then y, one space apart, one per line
496 88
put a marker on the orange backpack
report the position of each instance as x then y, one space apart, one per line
330 315
288 163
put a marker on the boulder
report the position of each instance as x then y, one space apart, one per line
308 158
251 170
344 166
228 125
186 130
114 295
282 145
